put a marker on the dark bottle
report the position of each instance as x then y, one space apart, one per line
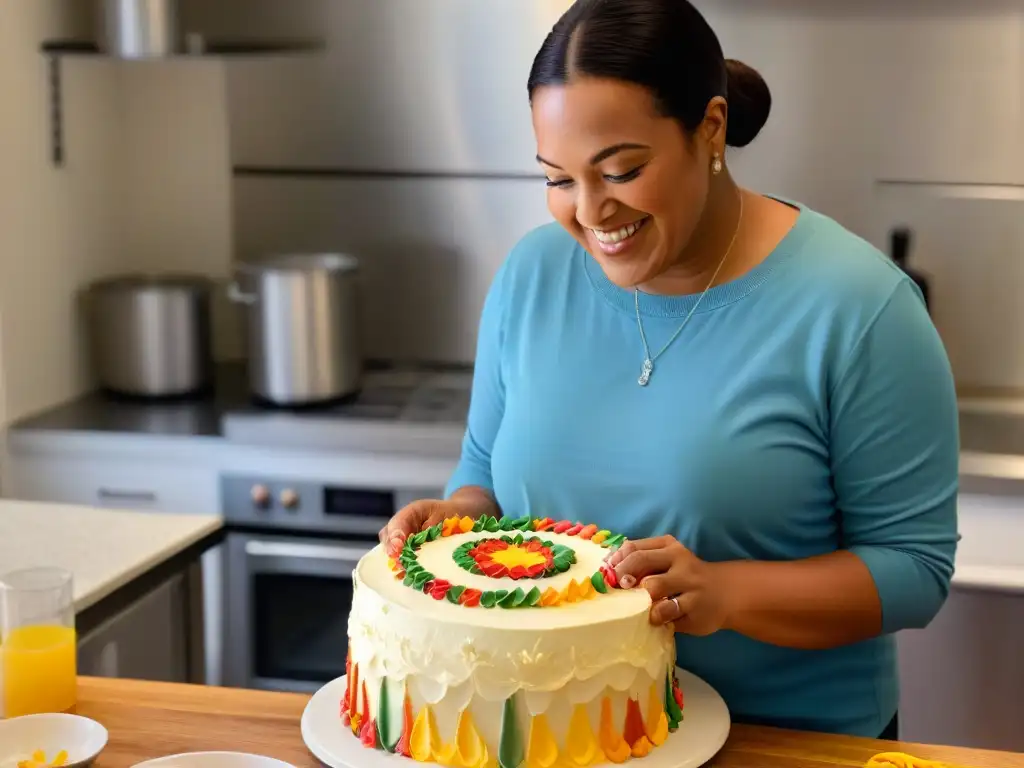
899 240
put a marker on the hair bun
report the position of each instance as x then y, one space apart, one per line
750 103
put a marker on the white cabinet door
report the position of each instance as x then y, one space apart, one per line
115 483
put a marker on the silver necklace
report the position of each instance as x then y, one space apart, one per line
648 365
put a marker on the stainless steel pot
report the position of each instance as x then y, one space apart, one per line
303 327
151 334
139 29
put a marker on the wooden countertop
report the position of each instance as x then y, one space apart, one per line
148 720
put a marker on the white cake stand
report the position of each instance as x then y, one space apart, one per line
702 733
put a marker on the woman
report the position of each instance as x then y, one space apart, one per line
752 394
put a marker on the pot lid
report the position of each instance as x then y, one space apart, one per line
181 280
303 262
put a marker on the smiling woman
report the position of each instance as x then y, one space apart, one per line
786 470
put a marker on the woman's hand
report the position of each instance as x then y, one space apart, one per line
466 502
686 591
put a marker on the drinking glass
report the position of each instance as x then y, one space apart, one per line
37 642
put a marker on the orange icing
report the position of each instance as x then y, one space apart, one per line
656 726
587 531
541 747
615 747
353 701
425 742
403 746
449 526
581 745
642 748
550 597
571 593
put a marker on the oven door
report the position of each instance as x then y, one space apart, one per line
288 603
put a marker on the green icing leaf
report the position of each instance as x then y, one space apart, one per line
563 560
524 523
517 539
675 714
417 539
492 526
488 599
506 523
433 532
532 597
499 595
613 542
454 593
513 599
387 734
511 751
422 578
598 581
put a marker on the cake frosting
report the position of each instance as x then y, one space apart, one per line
506 643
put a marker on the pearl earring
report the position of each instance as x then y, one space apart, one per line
716 165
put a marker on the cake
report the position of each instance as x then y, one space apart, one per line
507 643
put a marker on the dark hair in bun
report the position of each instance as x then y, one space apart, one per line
665 46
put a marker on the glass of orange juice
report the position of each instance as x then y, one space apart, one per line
37 642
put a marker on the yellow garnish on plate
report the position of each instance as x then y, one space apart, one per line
901 760
38 760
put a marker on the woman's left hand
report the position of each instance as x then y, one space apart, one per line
687 591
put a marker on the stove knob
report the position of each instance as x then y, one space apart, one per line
260 496
289 499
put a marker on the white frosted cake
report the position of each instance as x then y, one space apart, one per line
506 642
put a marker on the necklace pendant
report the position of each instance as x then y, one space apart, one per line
645 372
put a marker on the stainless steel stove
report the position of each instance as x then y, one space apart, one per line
293 542
400 410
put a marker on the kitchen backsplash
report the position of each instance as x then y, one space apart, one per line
865 94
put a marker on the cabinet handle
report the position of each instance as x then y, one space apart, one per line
109 494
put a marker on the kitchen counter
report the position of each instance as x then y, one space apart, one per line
110 552
148 720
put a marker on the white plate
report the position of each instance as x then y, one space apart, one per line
214 760
83 739
702 733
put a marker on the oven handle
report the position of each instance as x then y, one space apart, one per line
304 551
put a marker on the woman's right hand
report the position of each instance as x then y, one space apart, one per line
466 502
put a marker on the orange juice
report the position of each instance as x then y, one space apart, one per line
38 670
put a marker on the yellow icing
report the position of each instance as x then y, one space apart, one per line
515 555
642 748
600 536
656 724
615 747
424 741
550 597
587 590
581 744
467 750
541 747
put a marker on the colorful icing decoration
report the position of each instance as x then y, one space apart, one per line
424 742
355 718
642 748
368 733
348 688
656 725
581 744
541 747
510 742
513 555
468 750
672 708
386 733
614 746
403 747
633 730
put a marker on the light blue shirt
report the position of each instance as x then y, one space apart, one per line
807 407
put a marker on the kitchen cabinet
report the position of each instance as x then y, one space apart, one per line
148 640
961 678
114 483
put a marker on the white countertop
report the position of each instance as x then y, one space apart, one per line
104 549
